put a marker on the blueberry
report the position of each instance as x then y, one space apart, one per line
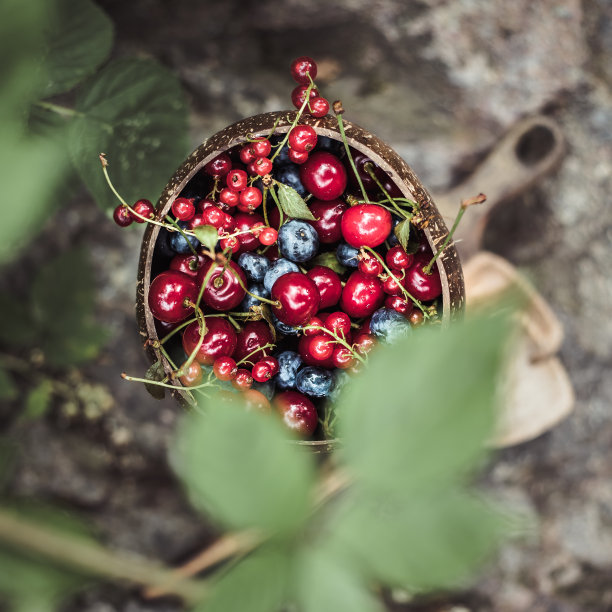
282 159
162 246
289 174
316 382
347 255
277 269
298 240
289 363
285 329
389 325
249 300
341 378
255 266
333 146
178 243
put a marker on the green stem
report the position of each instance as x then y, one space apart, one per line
178 228
260 348
63 111
278 205
350 157
264 207
369 168
427 268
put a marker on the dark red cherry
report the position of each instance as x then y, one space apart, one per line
362 295
219 340
399 304
323 175
398 259
321 347
390 287
253 336
364 343
328 216
366 225
244 221
328 284
297 296
188 264
224 289
219 166
301 67
122 216
306 353
422 286
297 412
168 293
143 208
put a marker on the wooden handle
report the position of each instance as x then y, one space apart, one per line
530 150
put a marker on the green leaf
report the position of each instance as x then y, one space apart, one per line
323 584
428 423
241 468
156 372
135 112
8 390
257 584
421 543
62 299
37 401
292 203
402 232
79 40
207 235
330 260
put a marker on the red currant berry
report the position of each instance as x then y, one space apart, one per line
321 347
364 343
261 372
247 154
219 340
362 295
167 296
231 243
262 166
297 298
399 304
366 225
192 375
318 106
253 336
390 287
298 95
328 285
340 324
297 412
369 265
197 221
214 216
229 197
268 236
219 166
243 379
143 208
324 176
122 216
305 354
302 138
236 179
205 203
272 363
224 368
416 318
298 157
257 228
398 259
343 358
261 147
301 67
183 209
328 216
315 322
250 198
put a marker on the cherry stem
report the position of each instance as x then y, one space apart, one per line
398 282
465 204
369 168
350 157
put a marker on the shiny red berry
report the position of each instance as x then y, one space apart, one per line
327 219
303 138
366 225
272 363
328 284
224 289
231 243
262 166
248 241
250 340
298 157
261 372
250 198
219 166
247 154
301 67
188 264
399 304
224 368
321 347
262 147
364 343
297 412
183 209
243 379
324 176
422 286
229 197
268 236
306 354
397 258
370 265
143 208
219 340
122 216
391 287
362 295
298 95
315 322
343 358
236 179
318 106
192 374
297 298
339 323
168 295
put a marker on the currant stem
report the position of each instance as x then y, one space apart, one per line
259 348
465 204
264 206
338 340
159 383
174 224
350 157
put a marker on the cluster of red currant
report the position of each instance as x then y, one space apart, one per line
286 304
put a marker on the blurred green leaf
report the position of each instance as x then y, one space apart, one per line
79 40
135 112
240 468
324 585
20 332
207 235
8 390
421 543
62 300
292 203
428 423
37 401
402 232
257 584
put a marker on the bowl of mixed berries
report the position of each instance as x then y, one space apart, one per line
281 253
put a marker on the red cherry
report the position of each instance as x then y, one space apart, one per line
362 295
390 287
324 176
328 216
219 166
145 209
243 379
236 179
318 106
261 147
192 375
369 265
298 95
168 293
301 67
224 289
224 368
183 209
188 264
398 259
302 138
297 296
253 335
340 324
248 241
297 412
366 225
328 284
343 358
122 216
219 340
423 287
298 157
